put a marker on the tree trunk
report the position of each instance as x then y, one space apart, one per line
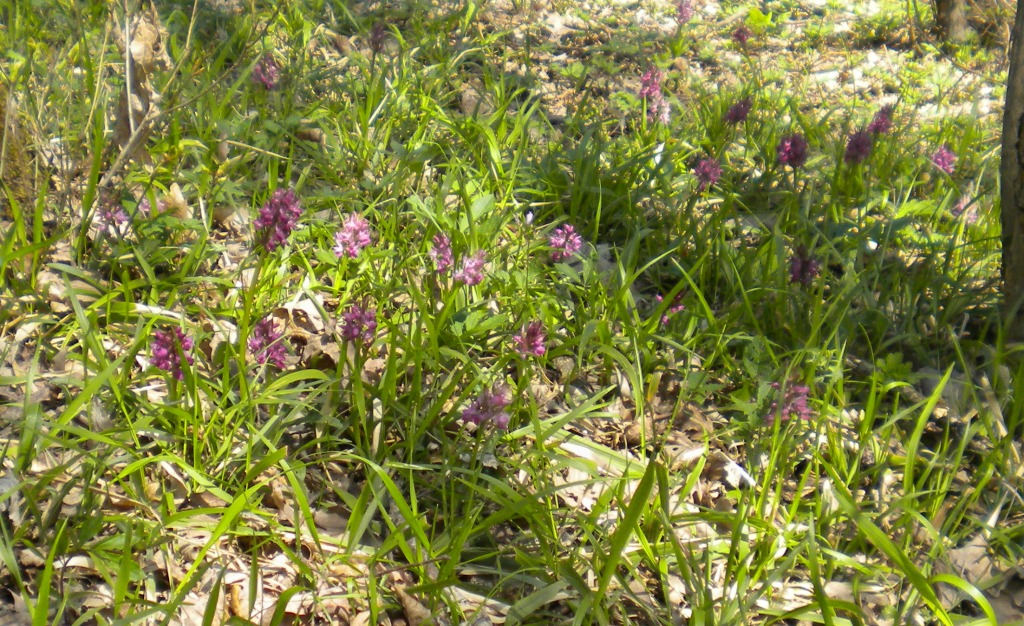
1011 174
951 16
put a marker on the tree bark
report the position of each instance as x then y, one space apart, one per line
951 16
1011 175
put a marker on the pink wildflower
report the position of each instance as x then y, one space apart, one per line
530 342
858 147
794 404
472 270
167 349
489 406
441 253
279 217
741 35
882 122
966 209
738 112
944 160
359 324
265 344
676 307
684 11
565 242
650 83
266 72
708 171
792 150
355 234
803 268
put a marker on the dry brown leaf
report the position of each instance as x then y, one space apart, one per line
190 613
415 612
720 467
146 52
310 133
301 318
973 562
175 204
1008 602
16 613
30 558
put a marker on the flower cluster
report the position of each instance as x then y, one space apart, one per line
944 160
858 147
803 268
792 150
794 404
684 11
266 72
146 209
378 36
660 110
355 234
565 242
966 209
708 171
650 88
265 344
472 270
650 83
738 112
441 253
111 217
531 341
676 307
742 35
359 324
167 350
882 122
279 217
489 406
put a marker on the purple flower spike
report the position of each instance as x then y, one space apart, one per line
882 123
266 72
472 270
944 160
565 242
279 217
441 253
794 404
531 341
965 209
359 324
378 37
742 35
708 171
676 307
858 147
489 406
659 110
167 349
803 268
111 218
738 112
265 344
792 150
355 234
684 11
650 83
